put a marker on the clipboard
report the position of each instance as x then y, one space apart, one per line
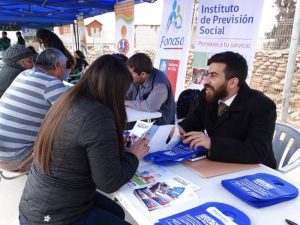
207 168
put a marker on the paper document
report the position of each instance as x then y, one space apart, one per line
156 187
140 128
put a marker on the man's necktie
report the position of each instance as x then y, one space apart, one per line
222 108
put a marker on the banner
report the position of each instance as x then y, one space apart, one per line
225 26
172 53
124 12
28 32
82 35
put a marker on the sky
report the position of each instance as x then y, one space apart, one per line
151 13
144 13
268 17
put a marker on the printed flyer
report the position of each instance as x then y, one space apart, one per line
156 187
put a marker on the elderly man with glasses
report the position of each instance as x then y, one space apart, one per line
24 105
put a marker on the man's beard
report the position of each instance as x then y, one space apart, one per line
215 94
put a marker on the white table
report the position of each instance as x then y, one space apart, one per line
210 190
135 115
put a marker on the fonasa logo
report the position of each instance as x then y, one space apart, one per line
173 40
175 19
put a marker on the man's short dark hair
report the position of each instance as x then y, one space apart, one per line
4 32
236 65
140 62
18 33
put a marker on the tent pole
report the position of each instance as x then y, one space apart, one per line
291 64
74 32
77 32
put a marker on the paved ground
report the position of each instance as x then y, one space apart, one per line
11 191
10 194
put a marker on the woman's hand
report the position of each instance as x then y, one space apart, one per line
140 148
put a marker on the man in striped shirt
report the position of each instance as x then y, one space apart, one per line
24 105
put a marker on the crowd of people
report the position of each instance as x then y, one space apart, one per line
69 138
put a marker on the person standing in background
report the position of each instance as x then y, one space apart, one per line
21 40
4 41
48 39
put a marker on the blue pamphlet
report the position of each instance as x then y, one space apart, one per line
178 153
261 189
208 213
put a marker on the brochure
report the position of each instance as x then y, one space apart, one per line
156 187
148 175
140 129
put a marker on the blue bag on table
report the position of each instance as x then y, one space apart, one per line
208 213
180 152
261 189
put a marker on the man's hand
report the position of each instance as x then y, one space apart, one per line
126 103
196 139
181 132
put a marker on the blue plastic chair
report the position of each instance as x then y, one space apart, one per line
286 142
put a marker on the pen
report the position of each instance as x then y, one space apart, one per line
176 127
168 139
290 222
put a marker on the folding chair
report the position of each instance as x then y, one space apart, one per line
286 142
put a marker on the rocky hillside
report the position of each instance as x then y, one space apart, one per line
268 76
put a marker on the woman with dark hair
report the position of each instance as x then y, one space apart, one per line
48 39
120 56
81 63
79 149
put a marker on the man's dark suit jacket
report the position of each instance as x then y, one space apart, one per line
243 134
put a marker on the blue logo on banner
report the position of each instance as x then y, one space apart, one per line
171 41
175 19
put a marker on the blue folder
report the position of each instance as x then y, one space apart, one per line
177 154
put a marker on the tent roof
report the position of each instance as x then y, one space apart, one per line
48 13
